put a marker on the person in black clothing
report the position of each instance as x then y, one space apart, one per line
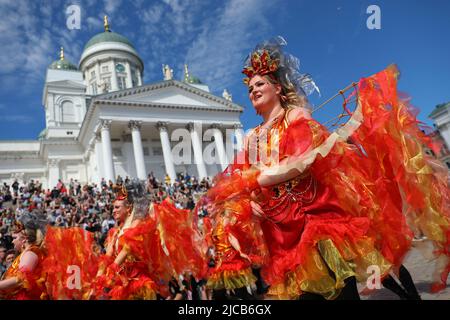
15 186
55 193
406 290
175 290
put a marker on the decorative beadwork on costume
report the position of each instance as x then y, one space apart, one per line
288 192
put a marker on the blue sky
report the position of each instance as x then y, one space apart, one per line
330 38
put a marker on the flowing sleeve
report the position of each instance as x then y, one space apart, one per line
71 262
178 237
392 136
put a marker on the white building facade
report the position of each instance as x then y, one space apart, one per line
102 121
441 118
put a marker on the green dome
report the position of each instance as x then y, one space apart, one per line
63 64
192 80
107 36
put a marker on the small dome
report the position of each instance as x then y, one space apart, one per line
63 65
107 36
190 78
193 80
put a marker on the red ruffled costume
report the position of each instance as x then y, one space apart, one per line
71 263
344 210
132 279
158 247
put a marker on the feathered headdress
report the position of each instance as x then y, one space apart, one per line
268 58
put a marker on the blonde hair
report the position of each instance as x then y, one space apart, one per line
33 236
289 97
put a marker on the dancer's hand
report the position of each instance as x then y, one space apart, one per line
257 210
243 255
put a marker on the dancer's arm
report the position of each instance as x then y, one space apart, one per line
121 257
9 283
235 244
28 262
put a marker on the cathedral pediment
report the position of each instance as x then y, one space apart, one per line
171 92
66 84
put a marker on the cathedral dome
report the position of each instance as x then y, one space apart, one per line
108 46
107 36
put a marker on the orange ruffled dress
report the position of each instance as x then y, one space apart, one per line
30 288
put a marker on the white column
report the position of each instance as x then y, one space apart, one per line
218 140
198 152
139 77
127 150
135 127
53 172
167 150
84 175
114 85
97 72
239 134
107 151
129 82
99 157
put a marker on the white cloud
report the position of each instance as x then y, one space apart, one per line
218 52
94 23
212 39
153 14
112 5
33 41
28 43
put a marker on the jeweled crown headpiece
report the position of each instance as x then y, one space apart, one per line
268 58
134 193
261 64
121 192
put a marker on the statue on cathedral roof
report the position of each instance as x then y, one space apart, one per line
226 95
167 72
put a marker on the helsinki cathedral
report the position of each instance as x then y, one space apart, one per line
102 121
